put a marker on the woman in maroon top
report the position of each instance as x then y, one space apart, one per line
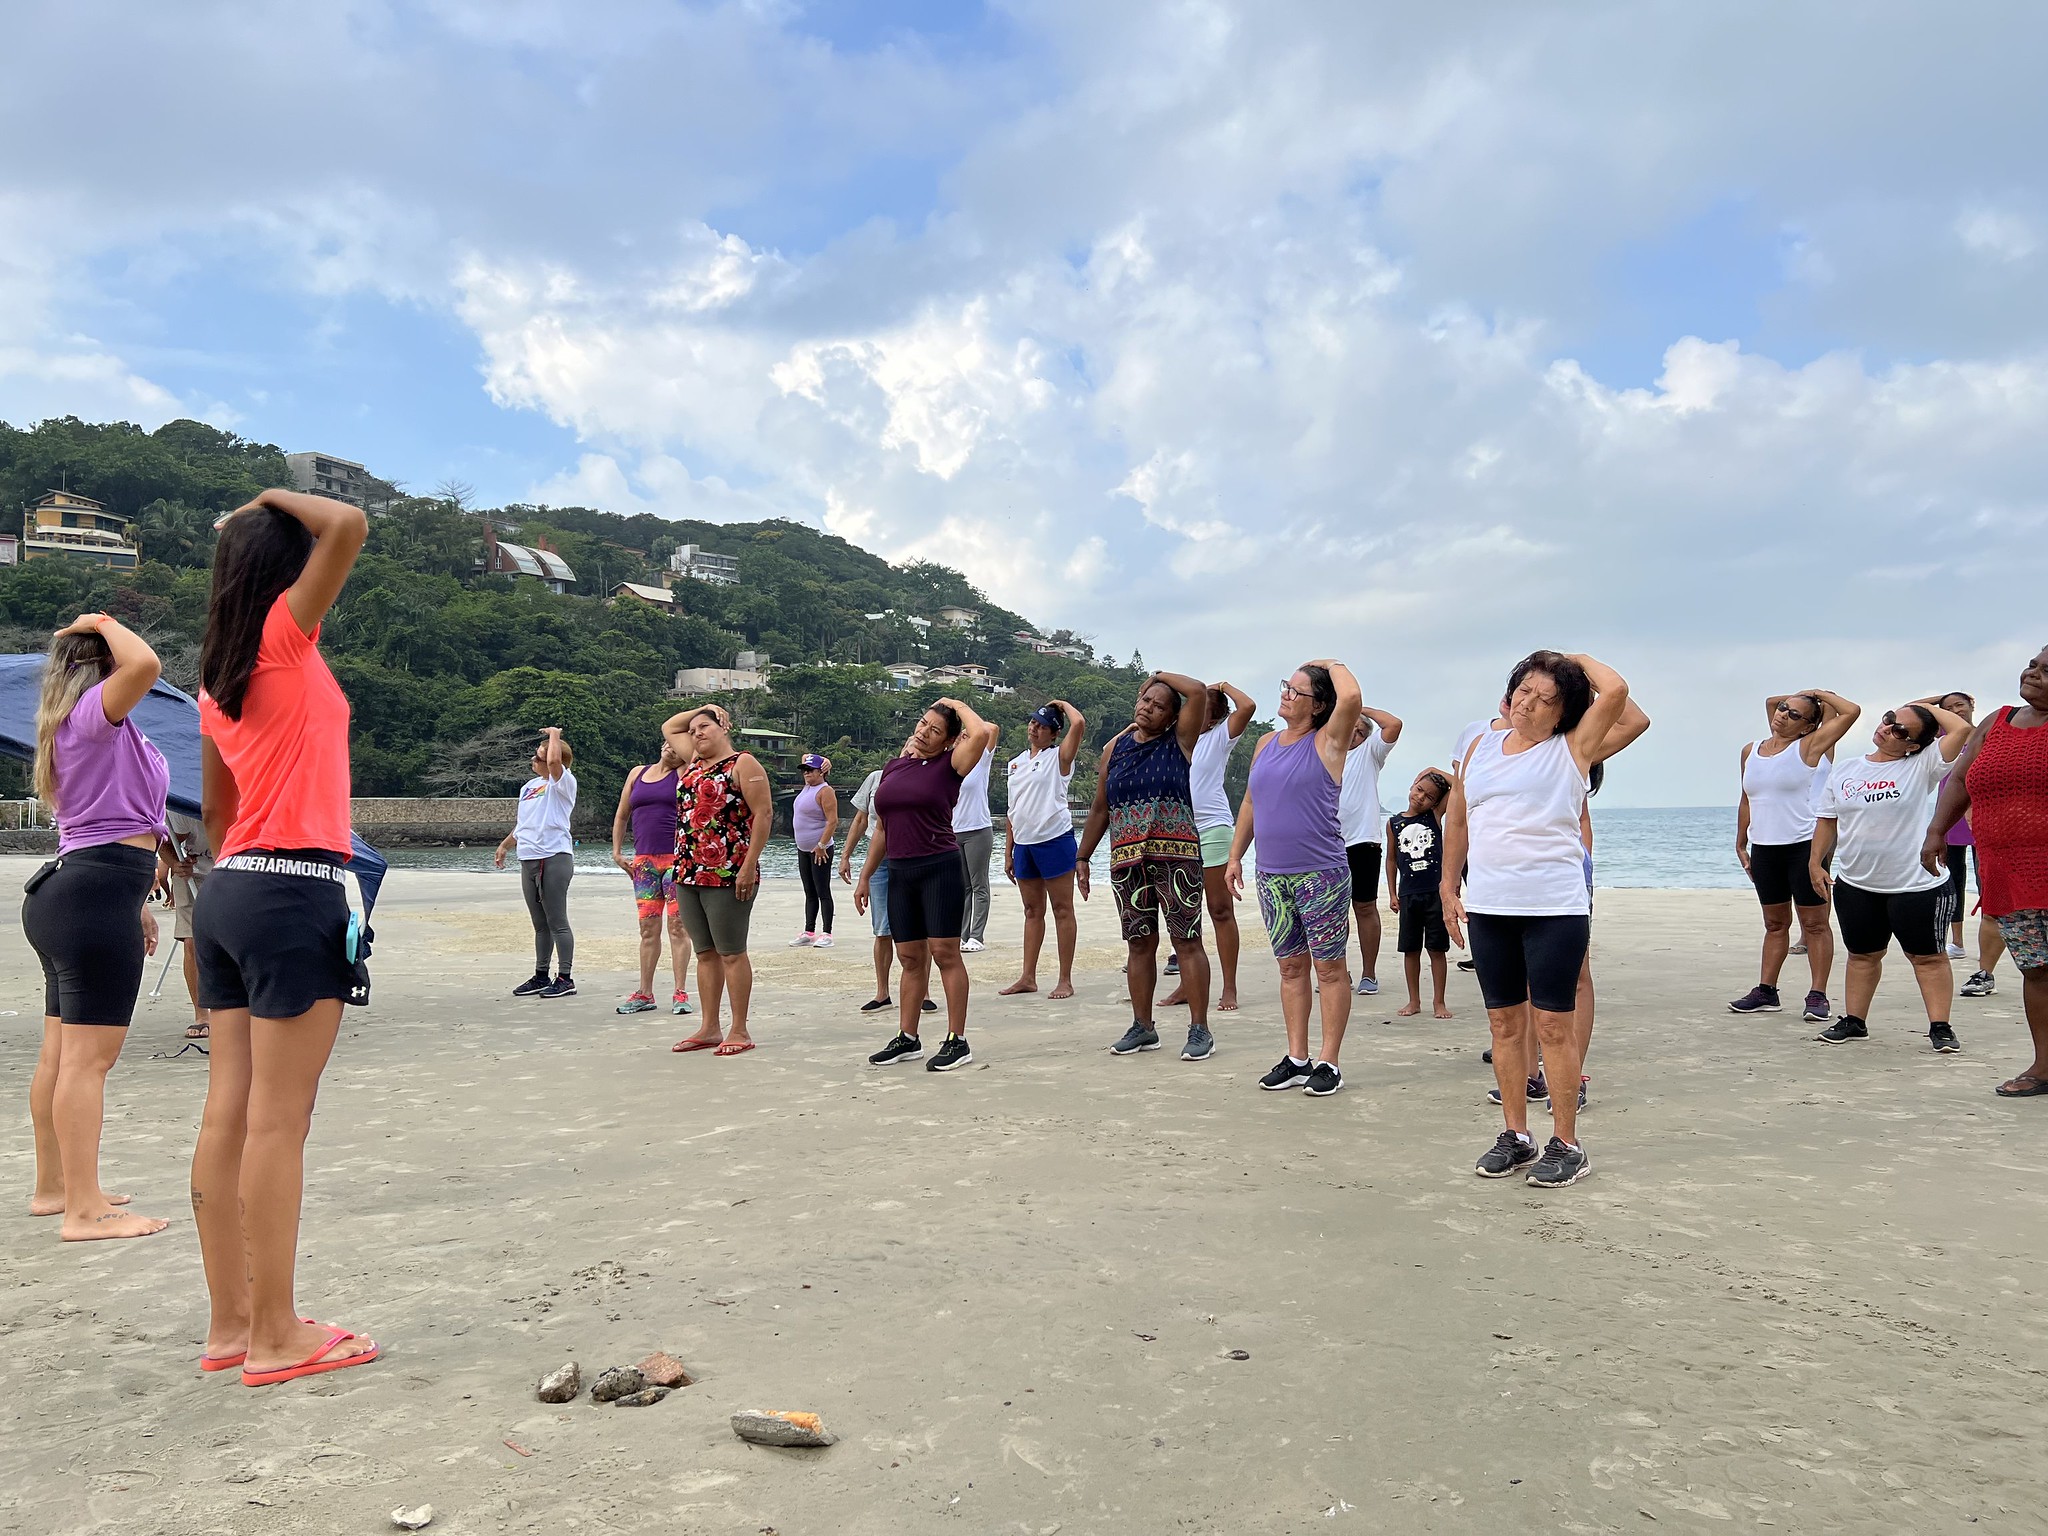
913 829
2000 781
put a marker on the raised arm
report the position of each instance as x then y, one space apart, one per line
978 737
1389 724
675 730
1336 732
136 667
1194 709
338 531
1625 732
1077 732
1837 715
1242 707
551 752
1610 695
1955 732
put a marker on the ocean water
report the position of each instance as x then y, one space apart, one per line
1670 848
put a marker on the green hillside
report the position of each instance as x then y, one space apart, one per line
450 672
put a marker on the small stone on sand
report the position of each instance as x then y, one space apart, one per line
665 1370
620 1381
646 1397
413 1519
791 1429
561 1385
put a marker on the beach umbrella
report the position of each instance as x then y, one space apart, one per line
167 716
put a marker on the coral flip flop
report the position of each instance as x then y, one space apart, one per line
695 1045
229 1362
314 1364
735 1047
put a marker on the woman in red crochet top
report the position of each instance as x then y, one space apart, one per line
2001 782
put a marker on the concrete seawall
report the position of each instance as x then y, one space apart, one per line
384 821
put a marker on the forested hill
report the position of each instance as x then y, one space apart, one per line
450 671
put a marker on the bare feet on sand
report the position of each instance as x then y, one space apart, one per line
1021 984
1174 999
1064 989
1409 1009
53 1205
1227 1003
109 1224
1444 1013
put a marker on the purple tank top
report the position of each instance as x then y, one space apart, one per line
807 818
1294 810
652 804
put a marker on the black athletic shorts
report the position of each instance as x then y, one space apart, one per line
1422 925
1779 871
927 897
84 921
1919 920
269 942
1365 860
1529 959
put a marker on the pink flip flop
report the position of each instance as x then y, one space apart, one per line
229 1362
735 1047
695 1045
314 1364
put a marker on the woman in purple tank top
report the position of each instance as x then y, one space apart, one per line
1304 875
647 807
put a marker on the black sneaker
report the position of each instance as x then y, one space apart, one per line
1537 1090
1487 1055
1980 984
1817 1010
902 1048
1139 1037
877 1004
1201 1044
1285 1075
1508 1153
1843 1030
954 1053
1323 1081
1758 999
533 986
928 1006
1943 1039
1468 965
561 986
1560 1165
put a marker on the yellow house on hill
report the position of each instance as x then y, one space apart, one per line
76 527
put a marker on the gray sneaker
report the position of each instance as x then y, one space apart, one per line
1560 1165
1139 1037
1200 1044
1367 987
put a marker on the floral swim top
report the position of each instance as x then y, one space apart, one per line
714 824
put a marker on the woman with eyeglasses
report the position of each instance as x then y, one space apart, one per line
1873 814
1782 774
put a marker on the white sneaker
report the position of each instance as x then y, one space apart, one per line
822 941
803 941
1957 952
971 946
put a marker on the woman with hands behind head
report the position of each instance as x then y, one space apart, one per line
1039 842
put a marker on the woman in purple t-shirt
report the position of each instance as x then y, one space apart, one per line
105 783
912 828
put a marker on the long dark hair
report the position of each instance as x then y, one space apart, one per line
1574 689
260 553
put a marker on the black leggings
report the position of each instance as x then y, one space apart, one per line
1529 959
85 924
1959 878
817 879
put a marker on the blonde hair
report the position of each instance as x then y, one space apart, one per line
76 662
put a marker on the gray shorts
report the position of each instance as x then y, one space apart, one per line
715 918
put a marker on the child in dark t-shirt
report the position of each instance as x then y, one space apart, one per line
1415 872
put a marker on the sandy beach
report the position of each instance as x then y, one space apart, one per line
1797 1292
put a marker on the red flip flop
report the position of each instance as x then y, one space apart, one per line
735 1047
229 1362
695 1045
314 1364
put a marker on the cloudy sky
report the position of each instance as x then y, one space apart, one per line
1708 338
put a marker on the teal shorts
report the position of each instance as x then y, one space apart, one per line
1216 846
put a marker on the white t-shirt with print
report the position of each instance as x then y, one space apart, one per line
544 808
1205 777
1358 800
1880 811
1038 797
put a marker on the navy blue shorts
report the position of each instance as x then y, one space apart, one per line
1045 861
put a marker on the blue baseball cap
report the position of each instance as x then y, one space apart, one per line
1050 717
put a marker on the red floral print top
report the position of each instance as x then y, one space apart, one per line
714 824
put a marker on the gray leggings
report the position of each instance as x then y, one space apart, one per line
545 885
976 848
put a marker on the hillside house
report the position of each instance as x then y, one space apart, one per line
699 564
503 559
67 526
657 597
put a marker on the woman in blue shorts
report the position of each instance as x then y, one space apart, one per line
1039 844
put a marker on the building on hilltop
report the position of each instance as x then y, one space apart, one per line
700 564
10 549
747 674
323 474
502 559
73 527
659 597
958 618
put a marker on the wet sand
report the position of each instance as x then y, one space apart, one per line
1798 1291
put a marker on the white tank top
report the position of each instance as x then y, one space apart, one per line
1781 790
1038 796
1526 858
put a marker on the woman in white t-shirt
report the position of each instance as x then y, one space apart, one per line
1038 848
1873 813
975 828
546 864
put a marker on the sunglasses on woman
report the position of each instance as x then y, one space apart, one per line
1792 714
1891 724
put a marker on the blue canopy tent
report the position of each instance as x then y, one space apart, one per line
167 716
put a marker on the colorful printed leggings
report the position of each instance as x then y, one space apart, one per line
1307 912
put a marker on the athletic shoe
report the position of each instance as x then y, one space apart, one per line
902 1048
1560 1165
954 1053
1817 1010
1139 1037
1507 1153
877 1004
928 1006
561 986
1843 1030
803 941
1201 1044
1758 999
1957 952
1539 1091
1487 1055
1367 987
1582 1091
680 1003
972 946
533 986
1467 965
1323 1081
639 1002
1943 1039
822 941
1173 963
1285 1075
1980 984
